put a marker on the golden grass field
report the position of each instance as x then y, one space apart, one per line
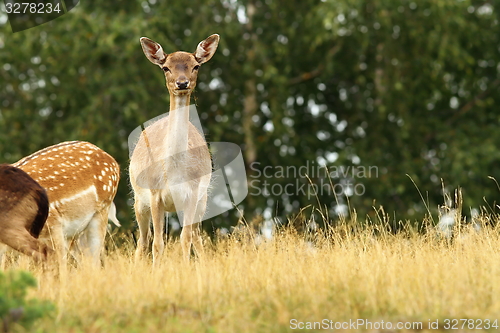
346 273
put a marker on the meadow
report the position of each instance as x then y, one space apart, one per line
344 278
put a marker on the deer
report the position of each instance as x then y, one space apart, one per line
170 167
24 208
81 181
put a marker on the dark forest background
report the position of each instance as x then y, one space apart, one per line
382 92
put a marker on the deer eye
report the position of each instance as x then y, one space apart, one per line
165 69
195 68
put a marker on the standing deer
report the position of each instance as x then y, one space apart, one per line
24 208
170 167
81 182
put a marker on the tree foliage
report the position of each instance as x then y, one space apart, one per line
407 88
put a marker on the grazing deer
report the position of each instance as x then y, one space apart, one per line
170 167
24 208
81 182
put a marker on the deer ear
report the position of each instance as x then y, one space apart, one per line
153 51
206 49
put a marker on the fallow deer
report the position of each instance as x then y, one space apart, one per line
170 167
81 182
24 208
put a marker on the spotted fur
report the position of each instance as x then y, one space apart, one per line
81 182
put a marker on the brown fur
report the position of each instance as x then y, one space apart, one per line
24 208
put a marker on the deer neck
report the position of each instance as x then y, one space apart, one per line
178 125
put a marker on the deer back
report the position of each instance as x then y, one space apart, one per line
74 170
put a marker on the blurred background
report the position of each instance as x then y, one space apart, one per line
397 98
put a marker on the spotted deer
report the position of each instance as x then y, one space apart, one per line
81 182
170 167
24 208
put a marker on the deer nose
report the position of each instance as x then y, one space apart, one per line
182 83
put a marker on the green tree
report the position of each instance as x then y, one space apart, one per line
403 87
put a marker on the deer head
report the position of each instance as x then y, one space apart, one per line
180 68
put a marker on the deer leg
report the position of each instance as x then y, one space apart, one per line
193 213
142 215
3 257
77 246
59 243
158 217
95 235
186 240
200 211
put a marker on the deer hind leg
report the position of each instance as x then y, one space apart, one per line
158 217
92 239
142 214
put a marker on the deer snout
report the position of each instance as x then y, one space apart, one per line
182 82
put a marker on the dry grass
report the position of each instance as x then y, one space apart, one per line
240 287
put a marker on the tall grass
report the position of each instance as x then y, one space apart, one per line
240 285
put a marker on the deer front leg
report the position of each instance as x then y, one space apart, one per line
200 211
191 226
186 240
158 217
59 243
142 215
